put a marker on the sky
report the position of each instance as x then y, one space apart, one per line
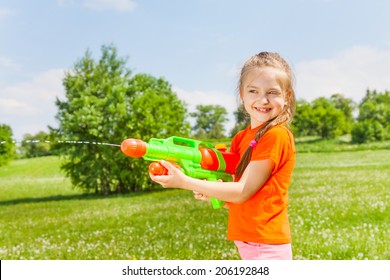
198 46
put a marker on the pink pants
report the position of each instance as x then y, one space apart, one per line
258 251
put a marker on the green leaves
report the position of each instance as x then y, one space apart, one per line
374 118
327 118
209 121
7 147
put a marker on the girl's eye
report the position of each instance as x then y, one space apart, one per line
252 91
273 92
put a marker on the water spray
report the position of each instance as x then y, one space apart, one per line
61 142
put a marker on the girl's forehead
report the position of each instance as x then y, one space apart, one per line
266 73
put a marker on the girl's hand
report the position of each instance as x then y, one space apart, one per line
201 196
175 178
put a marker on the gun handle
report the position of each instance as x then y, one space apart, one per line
157 169
216 203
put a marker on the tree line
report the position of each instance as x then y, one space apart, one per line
105 102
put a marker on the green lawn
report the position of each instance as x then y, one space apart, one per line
340 205
339 209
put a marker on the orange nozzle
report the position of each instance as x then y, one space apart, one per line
133 147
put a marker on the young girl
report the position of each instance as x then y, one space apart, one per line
258 198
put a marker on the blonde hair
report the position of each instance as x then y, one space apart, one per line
269 59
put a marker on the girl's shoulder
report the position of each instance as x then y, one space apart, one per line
243 133
280 135
239 138
280 129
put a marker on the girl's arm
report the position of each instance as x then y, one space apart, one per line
254 177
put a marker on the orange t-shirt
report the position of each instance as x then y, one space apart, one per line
263 218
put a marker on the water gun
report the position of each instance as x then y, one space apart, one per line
196 159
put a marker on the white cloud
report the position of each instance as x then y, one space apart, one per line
196 97
117 5
350 73
29 106
8 63
13 107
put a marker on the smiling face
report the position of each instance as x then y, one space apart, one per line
263 94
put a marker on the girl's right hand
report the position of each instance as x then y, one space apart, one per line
175 178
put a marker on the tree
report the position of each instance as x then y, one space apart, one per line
210 121
7 146
373 122
242 120
321 118
347 106
104 103
329 121
35 145
303 124
367 131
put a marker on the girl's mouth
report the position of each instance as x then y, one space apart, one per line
262 110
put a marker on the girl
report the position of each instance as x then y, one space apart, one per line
258 198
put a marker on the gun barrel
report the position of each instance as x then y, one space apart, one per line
133 147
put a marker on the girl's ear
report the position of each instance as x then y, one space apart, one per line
241 95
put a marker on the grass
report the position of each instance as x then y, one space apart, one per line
343 143
43 218
339 209
339 205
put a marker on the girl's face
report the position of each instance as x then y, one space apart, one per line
262 94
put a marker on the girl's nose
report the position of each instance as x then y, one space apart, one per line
263 98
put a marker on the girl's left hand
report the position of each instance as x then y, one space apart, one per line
200 196
175 178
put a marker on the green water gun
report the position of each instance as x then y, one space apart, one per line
196 159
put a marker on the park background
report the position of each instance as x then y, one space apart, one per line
106 70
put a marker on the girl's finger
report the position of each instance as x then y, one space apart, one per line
171 168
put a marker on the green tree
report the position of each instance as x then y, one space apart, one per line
373 122
347 106
242 120
104 103
7 146
210 121
329 121
322 117
368 131
35 145
303 122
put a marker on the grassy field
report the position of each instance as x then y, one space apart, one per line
339 209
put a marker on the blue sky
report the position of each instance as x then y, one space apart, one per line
198 46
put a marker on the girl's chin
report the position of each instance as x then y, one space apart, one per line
259 121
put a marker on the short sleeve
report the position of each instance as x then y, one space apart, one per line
276 145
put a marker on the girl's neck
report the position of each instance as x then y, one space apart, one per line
256 126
